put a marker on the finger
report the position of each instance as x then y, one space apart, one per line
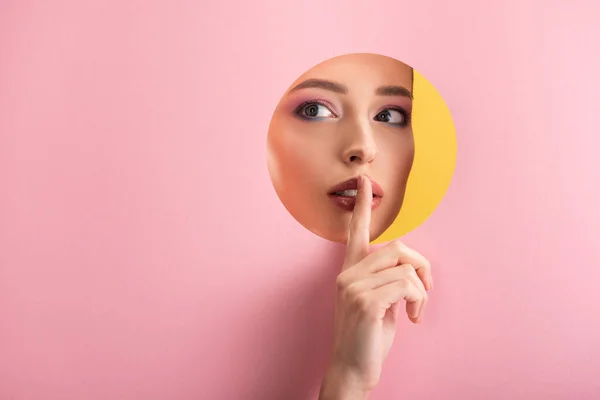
396 253
411 274
396 310
405 271
357 246
413 309
374 281
387 295
425 274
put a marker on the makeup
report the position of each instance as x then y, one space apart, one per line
344 194
389 113
307 109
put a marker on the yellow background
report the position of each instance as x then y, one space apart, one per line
435 158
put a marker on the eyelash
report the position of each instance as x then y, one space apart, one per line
312 102
406 117
298 111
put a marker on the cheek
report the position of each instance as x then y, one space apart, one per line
296 151
399 158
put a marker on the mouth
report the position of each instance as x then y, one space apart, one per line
344 194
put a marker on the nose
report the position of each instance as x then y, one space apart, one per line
359 146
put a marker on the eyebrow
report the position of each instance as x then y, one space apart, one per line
394 91
339 88
321 84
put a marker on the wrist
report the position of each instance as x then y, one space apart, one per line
338 385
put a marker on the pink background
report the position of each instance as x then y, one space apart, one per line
145 255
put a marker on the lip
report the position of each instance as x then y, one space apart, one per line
347 203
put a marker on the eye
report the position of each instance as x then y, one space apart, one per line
392 116
314 110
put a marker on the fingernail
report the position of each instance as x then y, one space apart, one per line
359 182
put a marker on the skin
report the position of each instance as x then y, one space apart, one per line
370 289
312 147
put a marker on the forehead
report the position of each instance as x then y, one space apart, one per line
360 70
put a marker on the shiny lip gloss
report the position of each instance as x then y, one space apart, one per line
343 195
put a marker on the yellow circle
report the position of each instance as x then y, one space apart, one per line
434 162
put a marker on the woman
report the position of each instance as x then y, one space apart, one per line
340 151
347 116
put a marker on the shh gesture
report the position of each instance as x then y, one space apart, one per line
370 292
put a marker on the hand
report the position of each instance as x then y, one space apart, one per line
370 289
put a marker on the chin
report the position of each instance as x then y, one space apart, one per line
341 236
376 233
338 236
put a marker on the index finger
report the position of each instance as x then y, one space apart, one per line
357 246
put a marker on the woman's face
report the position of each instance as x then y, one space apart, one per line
345 117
